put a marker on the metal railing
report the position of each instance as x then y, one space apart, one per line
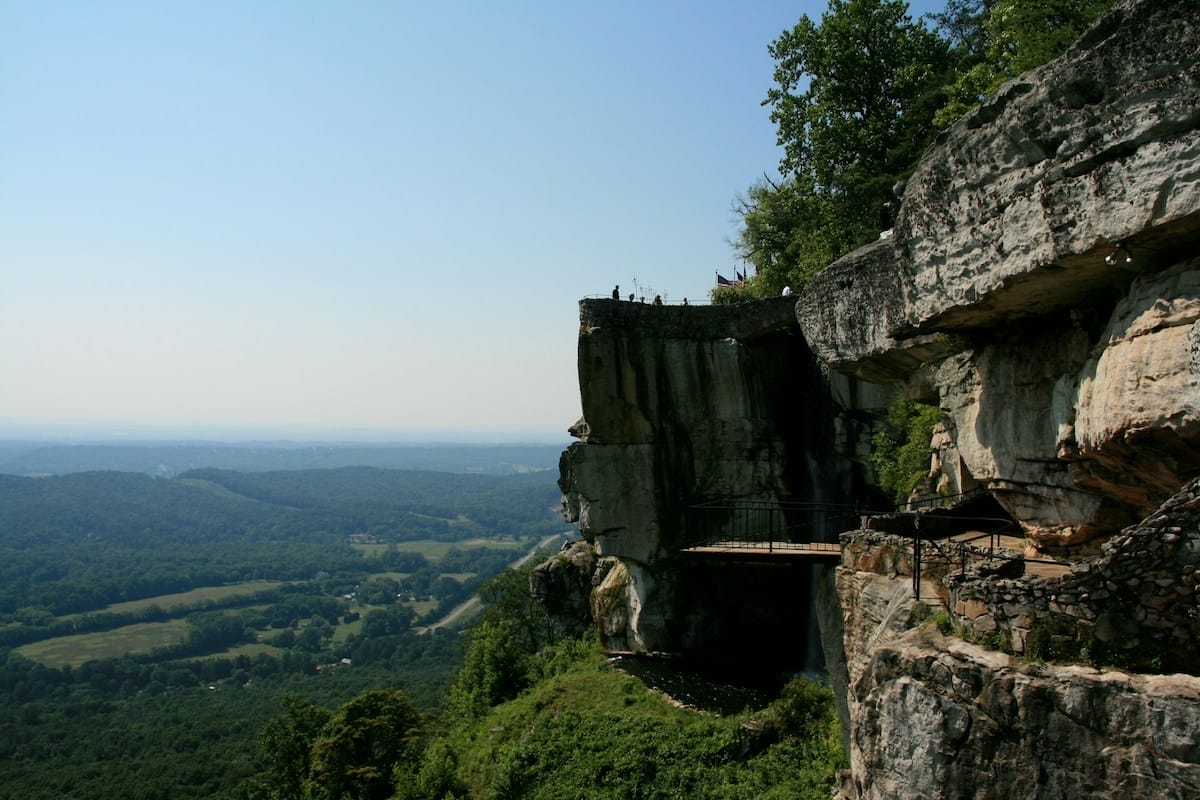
942 500
767 524
933 547
959 554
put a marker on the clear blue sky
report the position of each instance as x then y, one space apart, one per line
322 219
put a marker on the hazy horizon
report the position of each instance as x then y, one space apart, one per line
133 434
367 219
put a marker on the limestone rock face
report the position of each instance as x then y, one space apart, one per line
851 310
563 585
1006 410
1086 437
1014 211
684 404
1136 424
1043 256
937 718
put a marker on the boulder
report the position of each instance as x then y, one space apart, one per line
1017 209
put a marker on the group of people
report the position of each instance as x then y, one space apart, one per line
658 301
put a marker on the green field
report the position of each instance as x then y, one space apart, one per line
435 550
83 647
204 594
421 607
250 649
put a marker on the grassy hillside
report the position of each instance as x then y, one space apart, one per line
594 732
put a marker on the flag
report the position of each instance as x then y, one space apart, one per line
723 281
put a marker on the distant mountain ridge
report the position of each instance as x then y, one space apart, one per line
168 459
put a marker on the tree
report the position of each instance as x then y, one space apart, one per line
996 40
362 744
285 744
853 104
900 453
378 591
500 656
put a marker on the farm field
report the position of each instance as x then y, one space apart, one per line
251 649
193 597
80 648
435 550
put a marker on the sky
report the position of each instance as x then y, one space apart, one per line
356 220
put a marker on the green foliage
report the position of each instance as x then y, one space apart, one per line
900 453
737 293
358 748
856 100
591 732
788 233
77 543
804 710
853 104
186 728
506 648
378 591
1000 40
436 777
496 668
286 746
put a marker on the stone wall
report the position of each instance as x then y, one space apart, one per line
1134 604
935 716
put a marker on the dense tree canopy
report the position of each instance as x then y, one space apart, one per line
853 104
857 99
1000 40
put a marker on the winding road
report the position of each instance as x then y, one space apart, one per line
473 602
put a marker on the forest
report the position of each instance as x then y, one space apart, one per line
178 614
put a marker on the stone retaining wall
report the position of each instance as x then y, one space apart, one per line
1134 604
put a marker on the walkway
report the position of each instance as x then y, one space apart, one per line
767 529
810 551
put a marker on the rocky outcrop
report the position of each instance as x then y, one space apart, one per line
1042 257
850 313
1014 212
563 585
940 718
686 404
936 716
1042 288
932 716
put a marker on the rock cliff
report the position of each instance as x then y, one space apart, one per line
936 716
682 405
1042 287
1060 219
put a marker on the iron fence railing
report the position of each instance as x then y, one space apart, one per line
769 524
980 546
942 500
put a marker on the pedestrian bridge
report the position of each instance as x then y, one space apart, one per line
775 529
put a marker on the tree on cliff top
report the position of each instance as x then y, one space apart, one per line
999 39
853 105
857 99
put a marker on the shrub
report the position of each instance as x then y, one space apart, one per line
900 453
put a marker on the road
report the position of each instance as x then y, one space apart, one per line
472 603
